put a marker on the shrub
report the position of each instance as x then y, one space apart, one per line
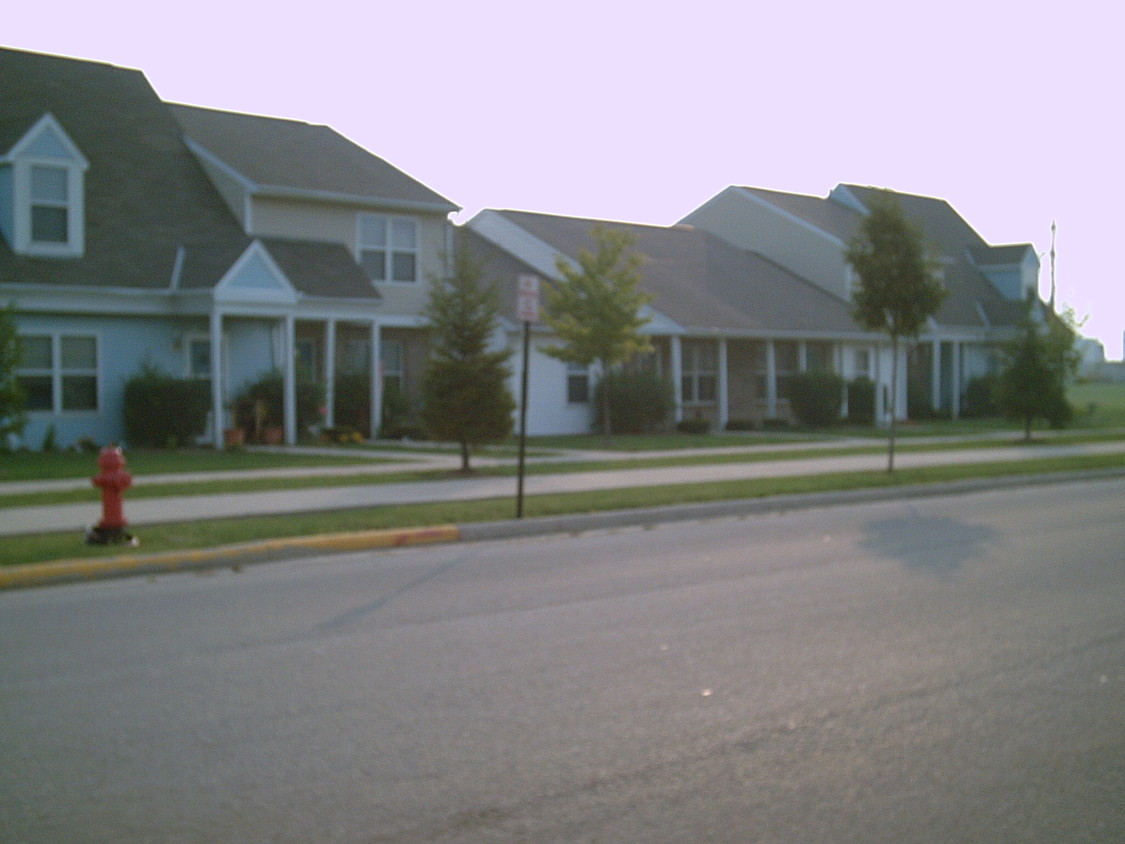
261 404
815 398
400 419
162 411
639 402
980 397
353 402
693 426
861 401
740 425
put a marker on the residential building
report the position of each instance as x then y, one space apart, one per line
729 327
206 244
987 285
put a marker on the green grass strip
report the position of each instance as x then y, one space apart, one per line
208 534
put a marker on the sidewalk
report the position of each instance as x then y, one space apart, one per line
76 517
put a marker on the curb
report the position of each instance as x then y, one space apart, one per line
271 550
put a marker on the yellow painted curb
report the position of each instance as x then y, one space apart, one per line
37 574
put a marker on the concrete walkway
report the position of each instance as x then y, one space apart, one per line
77 517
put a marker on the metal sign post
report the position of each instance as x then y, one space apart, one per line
527 310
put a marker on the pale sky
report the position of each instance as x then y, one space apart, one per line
641 110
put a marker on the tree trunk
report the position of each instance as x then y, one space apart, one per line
465 458
607 426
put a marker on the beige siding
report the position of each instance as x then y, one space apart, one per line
338 224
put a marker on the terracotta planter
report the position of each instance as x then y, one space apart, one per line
273 435
234 437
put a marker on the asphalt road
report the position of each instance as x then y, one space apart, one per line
931 670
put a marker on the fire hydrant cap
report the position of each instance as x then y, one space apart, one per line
111 458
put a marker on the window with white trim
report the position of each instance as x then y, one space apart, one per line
699 372
59 372
392 364
387 247
199 357
577 383
46 217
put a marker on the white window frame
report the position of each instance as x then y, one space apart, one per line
699 363
393 365
392 246
58 373
33 153
577 383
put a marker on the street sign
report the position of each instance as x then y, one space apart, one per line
527 301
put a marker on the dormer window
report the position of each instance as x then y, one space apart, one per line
388 247
43 195
50 205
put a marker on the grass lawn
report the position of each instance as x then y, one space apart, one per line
209 534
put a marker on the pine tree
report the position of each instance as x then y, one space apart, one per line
898 289
595 309
465 397
1037 363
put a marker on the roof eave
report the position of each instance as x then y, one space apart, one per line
286 192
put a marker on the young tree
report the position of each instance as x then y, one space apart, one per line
898 289
1037 364
595 310
465 397
12 397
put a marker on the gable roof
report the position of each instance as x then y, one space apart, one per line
145 193
972 301
699 281
287 157
153 218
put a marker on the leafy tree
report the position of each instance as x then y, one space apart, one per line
465 397
1037 364
595 310
12 397
898 289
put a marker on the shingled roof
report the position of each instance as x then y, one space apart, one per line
702 282
145 193
277 156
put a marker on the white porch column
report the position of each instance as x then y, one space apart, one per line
376 379
880 387
935 376
955 398
677 377
330 374
771 380
289 358
723 415
218 413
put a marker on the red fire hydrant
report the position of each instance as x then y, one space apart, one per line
113 480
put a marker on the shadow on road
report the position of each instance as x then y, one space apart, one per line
934 545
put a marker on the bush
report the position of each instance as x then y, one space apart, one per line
400 419
353 402
815 398
980 397
740 425
162 411
861 401
694 426
261 404
639 402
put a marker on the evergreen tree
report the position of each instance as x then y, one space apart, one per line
12 397
1037 364
595 309
465 397
898 289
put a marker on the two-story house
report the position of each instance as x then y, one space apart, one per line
212 245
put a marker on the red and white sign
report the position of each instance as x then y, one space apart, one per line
527 302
